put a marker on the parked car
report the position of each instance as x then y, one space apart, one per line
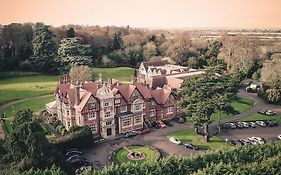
161 124
155 125
80 161
175 140
267 112
143 131
245 142
261 123
130 134
71 153
232 125
239 125
69 159
245 124
258 140
252 141
275 123
167 123
191 146
279 137
180 120
269 123
252 124
235 142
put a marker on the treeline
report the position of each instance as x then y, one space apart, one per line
258 159
39 47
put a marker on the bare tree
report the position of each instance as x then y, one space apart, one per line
80 74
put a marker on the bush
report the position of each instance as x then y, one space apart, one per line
26 66
249 89
256 75
273 95
82 138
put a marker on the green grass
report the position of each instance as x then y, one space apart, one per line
258 116
150 154
240 105
35 105
190 136
120 73
14 74
24 87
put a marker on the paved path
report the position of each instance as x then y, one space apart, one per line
6 105
258 106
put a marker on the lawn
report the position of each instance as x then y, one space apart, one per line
190 136
14 74
120 73
35 105
24 87
240 105
258 116
150 154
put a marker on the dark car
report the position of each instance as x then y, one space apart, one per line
69 159
167 123
275 123
130 134
235 142
180 120
269 123
79 160
155 125
191 146
143 131
71 153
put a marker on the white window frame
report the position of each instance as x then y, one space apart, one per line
153 112
117 101
93 128
107 123
127 120
137 118
107 114
125 109
91 115
170 110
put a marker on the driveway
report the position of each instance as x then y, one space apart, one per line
101 153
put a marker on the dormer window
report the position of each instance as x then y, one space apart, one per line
92 106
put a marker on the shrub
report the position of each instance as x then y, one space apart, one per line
256 75
56 123
273 95
26 66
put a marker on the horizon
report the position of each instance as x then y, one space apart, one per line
191 14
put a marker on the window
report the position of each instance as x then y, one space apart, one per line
93 127
108 123
138 107
152 113
117 101
91 106
67 112
152 103
123 108
170 110
91 115
126 122
107 114
138 119
106 104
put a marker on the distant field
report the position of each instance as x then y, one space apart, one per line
119 73
28 86
240 105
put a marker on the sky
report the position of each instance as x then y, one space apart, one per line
146 13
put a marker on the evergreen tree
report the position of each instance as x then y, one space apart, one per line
70 33
44 49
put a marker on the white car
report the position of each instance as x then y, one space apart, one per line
175 140
279 137
245 124
261 123
257 139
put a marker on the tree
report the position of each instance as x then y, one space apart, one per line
271 72
70 33
273 95
117 41
201 96
73 53
80 74
45 56
27 144
149 50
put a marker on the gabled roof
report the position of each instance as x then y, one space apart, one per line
154 63
61 88
158 81
126 90
83 101
91 87
161 95
143 89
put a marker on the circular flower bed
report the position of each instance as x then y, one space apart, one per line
141 153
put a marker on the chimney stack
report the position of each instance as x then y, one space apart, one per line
100 78
77 95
